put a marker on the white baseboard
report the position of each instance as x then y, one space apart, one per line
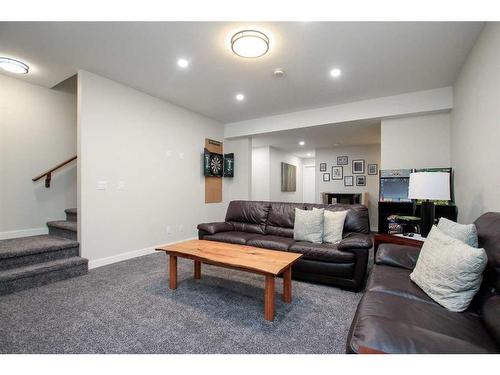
23 233
129 255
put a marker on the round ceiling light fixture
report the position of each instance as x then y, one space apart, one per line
250 43
13 66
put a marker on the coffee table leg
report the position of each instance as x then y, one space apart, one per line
269 298
287 285
197 269
173 271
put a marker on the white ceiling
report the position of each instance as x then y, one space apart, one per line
377 59
365 132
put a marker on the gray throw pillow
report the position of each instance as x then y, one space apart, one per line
464 232
448 270
308 225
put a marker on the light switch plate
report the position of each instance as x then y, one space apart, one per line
181 155
121 185
102 185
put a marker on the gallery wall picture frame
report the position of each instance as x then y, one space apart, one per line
326 177
348 181
342 160
358 166
372 169
361 180
337 172
322 167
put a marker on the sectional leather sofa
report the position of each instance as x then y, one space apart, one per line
396 316
270 225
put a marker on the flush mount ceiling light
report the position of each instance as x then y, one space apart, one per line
13 66
302 143
240 97
336 72
250 43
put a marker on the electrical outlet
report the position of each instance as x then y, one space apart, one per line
169 229
181 227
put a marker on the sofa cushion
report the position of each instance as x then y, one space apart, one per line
308 225
235 237
491 316
212 228
466 233
322 252
281 218
395 255
357 219
394 280
449 270
488 232
395 324
248 216
333 226
271 242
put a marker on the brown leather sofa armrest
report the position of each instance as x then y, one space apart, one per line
353 241
397 255
212 228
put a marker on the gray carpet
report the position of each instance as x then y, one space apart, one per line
127 308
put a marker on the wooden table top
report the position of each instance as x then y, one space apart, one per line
237 256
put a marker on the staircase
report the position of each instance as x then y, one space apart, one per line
29 262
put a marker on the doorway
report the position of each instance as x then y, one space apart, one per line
309 183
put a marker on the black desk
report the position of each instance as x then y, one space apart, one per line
386 209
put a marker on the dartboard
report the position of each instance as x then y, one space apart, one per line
216 164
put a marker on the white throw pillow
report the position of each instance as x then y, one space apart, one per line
464 232
448 270
333 226
308 225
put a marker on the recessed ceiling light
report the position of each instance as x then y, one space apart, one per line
182 63
13 66
240 97
336 144
302 143
309 154
250 43
336 72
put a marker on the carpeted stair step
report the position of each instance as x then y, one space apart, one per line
71 214
20 252
16 279
63 228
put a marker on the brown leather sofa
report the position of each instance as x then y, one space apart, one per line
270 225
396 316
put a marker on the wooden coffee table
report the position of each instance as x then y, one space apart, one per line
269 263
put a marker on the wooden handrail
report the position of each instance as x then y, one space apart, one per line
48 174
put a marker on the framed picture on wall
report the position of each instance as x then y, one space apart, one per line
337 173
348 181
358 166
326 177
360 180
342 160
372 169
322 167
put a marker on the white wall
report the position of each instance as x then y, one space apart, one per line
275 159
261 174
416 142
371 155
390 106
37 132
475 130
155 149
266 175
